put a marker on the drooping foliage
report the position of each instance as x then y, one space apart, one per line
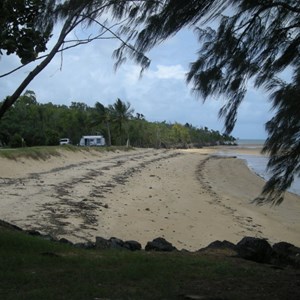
243 40
26 27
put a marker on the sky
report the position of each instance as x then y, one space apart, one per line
86 74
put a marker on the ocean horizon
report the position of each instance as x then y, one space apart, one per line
250 142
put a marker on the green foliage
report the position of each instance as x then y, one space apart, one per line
120 113
102 115
25 27
52 136
44 124
180 133
16 141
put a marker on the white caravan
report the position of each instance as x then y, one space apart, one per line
92 140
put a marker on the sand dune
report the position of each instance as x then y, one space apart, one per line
190 197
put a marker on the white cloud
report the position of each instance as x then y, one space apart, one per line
167 72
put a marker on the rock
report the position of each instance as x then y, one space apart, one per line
65 241
33 232
48 237
220 245
282 248
132 245
116 243
102 243
86 245
159 244
255 249
185 251
286 253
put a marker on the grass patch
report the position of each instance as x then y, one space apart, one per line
45 152
33 268
37 153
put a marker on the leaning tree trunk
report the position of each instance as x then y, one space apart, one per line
9 101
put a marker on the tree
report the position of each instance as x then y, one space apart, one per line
253 40
70 14
120 114
180 134
29 123
24 120
103 115
25 27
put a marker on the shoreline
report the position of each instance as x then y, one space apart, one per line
189 197
257 163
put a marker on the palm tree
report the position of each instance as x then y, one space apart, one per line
104 116
121 113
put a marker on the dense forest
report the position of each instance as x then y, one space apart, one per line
29 123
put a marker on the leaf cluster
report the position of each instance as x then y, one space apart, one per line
25 27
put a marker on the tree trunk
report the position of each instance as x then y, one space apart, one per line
108 134
9 101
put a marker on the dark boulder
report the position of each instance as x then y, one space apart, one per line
255 249
282 248
220 245
65 241
102 243
159 244
116 243
132 245
86 245
33 232
286 253
47 237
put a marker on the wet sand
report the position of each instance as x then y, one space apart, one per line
190 197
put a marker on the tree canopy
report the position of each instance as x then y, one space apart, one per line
30 123
26 27
240 40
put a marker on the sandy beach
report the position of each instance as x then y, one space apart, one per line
189 197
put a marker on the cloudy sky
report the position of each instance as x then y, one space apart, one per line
86 74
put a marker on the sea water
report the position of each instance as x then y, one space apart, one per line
258 163
250 143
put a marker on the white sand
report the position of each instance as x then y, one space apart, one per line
186 196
